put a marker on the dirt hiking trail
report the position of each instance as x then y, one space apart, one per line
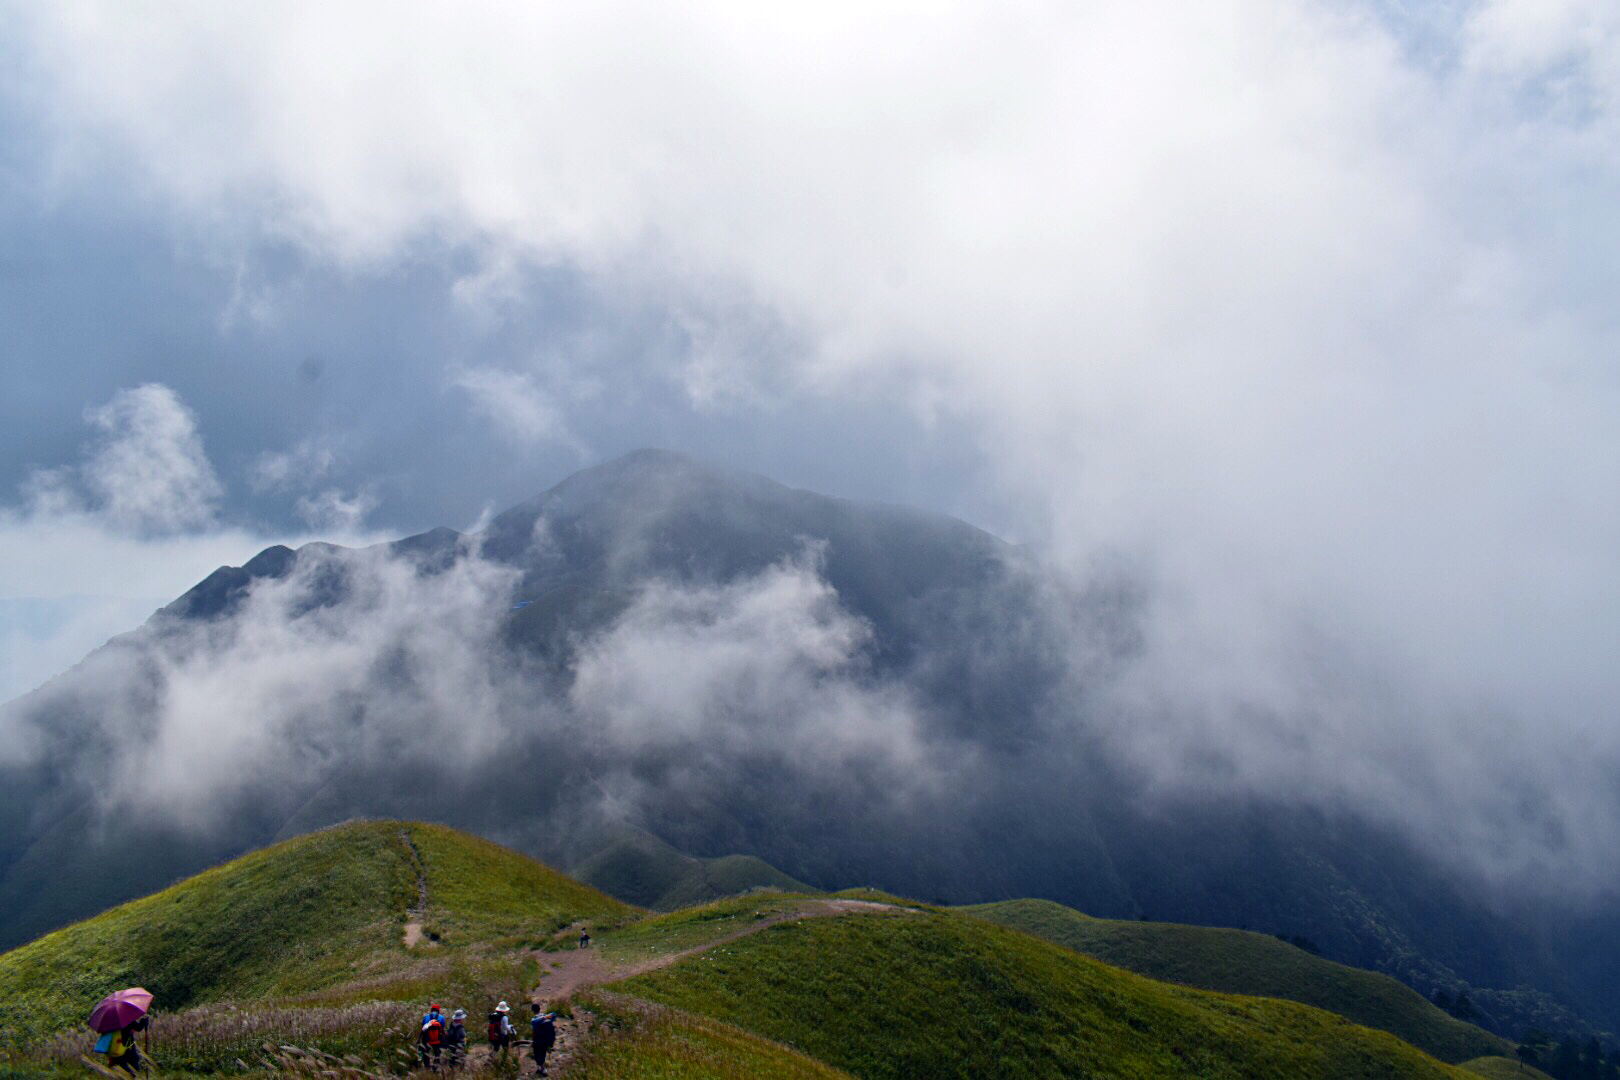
564 972
568 971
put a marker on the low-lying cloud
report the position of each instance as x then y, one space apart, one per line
1303 310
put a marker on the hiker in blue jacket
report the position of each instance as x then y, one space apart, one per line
543 1032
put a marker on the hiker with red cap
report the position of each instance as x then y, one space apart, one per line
430 1043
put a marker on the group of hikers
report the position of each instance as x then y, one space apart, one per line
444 1042
120 1017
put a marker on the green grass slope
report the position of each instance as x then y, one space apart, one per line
643 870
292 919
1501 1068
1240 962
665 1044
948 995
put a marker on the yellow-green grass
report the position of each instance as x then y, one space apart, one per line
947 995
481 891
1501 1068
293 920
667 1044
694 927
1240 962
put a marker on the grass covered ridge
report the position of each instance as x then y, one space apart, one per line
1240 962
296 919
945 995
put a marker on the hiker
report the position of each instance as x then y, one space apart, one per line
500 1028
433 1012
430 1044
543 1029
584 938
456 1038
122 1051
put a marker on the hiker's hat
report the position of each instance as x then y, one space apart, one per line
433 1008
503 1007
459 1014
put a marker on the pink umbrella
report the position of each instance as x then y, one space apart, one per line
120 1010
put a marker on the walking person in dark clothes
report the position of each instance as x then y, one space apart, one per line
455 1039
543 1031
584 938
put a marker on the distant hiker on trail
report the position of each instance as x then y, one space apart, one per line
543 1029
500 1028
122 1051
430 1044
584 938
433 1011
456 1038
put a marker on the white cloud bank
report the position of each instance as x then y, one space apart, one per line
89 551
1308 318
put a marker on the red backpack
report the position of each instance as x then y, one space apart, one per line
434 1032
495 1027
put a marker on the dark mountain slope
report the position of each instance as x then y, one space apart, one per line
946 750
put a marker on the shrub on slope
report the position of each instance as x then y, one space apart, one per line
1239 962
945 995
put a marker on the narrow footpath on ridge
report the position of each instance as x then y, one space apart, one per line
567 971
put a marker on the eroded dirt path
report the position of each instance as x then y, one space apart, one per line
413 925
564 972
568 971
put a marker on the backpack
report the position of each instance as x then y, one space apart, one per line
545 1029
104 1044
117 1047
434 1032
494 1027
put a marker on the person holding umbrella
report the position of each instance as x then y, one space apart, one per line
117 1018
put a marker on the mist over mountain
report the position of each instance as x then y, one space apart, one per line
856 693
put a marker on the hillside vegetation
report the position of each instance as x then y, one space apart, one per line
294 919
1240 962
1501 1068
926 994
295 958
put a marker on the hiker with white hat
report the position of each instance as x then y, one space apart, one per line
456 1038
500 1028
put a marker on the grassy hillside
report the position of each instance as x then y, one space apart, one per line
945 995
1239 962
293 919
665 1044
1501 1068
643 870
303 945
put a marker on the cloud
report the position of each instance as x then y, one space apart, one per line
297 467
90 550
771 665
1314 328
302 683
146 473
517 405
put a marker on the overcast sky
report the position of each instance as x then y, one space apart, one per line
1309 307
